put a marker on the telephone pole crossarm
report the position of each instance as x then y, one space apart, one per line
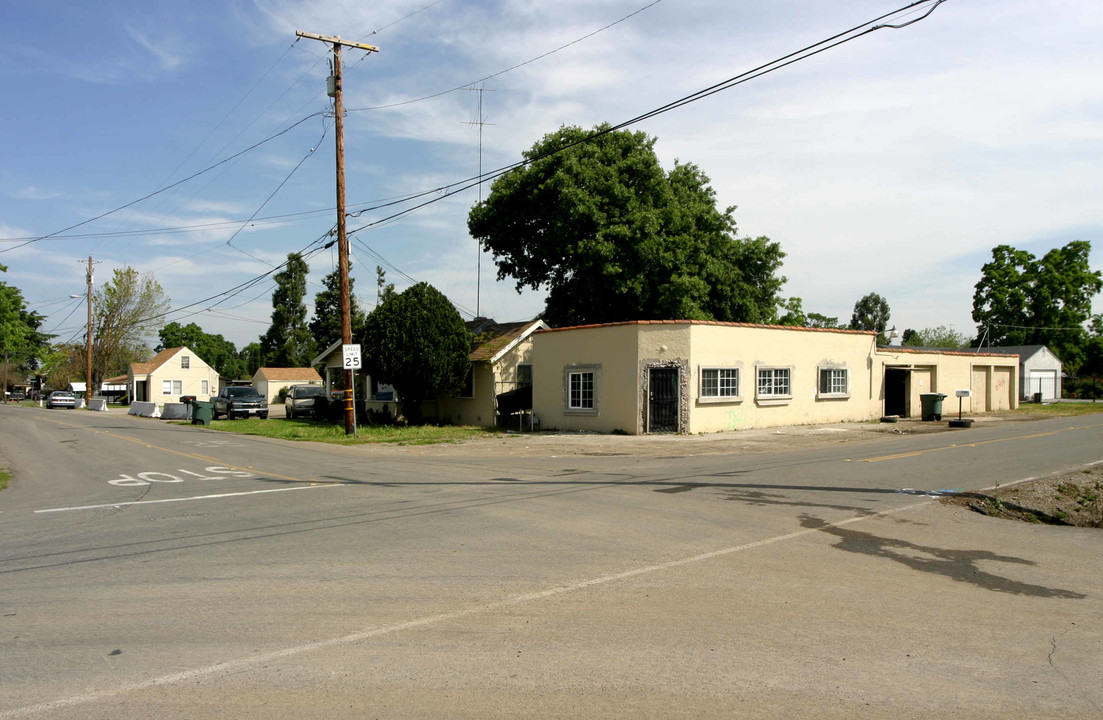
336 40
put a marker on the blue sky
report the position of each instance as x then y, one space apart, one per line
892 164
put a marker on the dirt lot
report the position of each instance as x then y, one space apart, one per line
1069 498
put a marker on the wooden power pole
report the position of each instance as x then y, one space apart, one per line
342 237
88 343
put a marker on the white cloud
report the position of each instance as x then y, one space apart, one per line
166 49
33 193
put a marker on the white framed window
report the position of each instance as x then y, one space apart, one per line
524 374
185 362
204 387
172 387
580 390
774 383
719 383
834 381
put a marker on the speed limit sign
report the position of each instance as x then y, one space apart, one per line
351 354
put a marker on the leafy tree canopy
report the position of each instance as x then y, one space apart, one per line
126 313
215 350
612 236
871 313
1024 300
815 320
288 342
938 337
326 324
416 341
20 340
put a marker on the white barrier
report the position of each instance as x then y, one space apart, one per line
144 409
98 404
175 411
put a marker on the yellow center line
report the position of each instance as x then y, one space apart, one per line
955 446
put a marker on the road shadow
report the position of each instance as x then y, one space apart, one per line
958 565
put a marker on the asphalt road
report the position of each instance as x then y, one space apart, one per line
155 570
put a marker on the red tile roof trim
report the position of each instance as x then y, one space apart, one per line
930 351
718 323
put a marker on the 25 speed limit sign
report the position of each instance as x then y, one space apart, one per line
351 354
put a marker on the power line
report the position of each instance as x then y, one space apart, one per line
167 187
508 69
834 41
271 195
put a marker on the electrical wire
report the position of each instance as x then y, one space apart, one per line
76 305
454 188
167 187
271 195
509 69
846 36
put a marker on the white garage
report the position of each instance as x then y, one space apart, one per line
1039 371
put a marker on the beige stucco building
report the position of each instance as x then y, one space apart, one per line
172 373
694 376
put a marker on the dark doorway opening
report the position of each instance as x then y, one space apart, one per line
662 400
896 391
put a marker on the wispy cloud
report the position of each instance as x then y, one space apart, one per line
166 49
33 193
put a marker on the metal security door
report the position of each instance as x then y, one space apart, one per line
662 400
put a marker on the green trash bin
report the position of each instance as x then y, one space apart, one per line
201 412
932 405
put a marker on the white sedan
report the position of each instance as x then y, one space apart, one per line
61 398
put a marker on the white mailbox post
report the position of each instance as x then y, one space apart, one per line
959 422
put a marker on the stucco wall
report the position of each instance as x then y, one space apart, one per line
610 352
991 378
804 353
621 357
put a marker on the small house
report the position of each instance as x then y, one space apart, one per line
171 374
269 381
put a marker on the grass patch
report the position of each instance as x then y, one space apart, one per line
4 477
1058 409
308 430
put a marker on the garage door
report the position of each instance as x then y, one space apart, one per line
1042 381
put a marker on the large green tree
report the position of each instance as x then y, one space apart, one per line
612 236
215 350
127 311
20 340
871 313
1024 300
288 342
416 341
325 326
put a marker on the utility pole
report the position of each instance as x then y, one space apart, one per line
479 256
342 237
88 342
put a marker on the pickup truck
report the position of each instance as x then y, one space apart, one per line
239 402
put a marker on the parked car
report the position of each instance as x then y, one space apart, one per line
300 399
61 398
239 402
